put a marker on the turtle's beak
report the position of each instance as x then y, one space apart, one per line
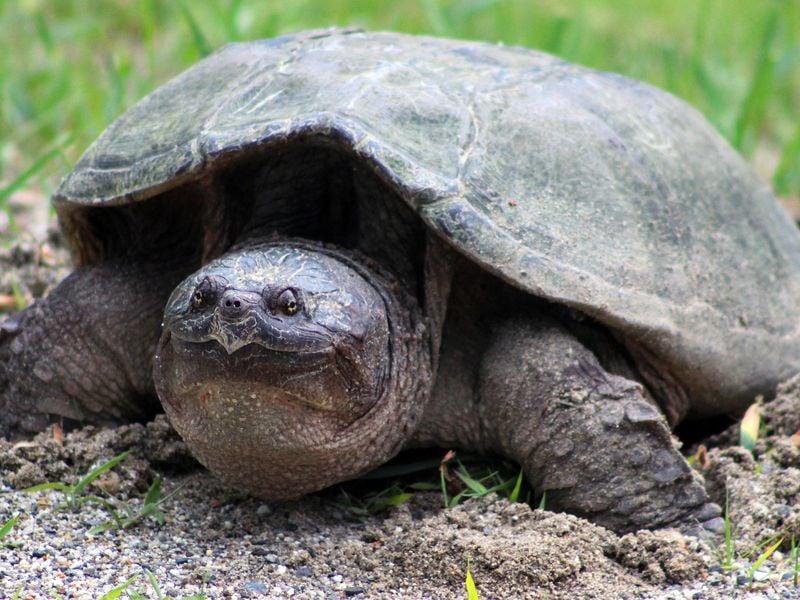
238 319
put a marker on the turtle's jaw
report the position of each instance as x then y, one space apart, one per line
232 337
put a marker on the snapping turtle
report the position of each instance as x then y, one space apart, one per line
361 242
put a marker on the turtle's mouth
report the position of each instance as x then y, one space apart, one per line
257 348
254 329
190 372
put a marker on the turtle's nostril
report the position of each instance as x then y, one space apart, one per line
235 303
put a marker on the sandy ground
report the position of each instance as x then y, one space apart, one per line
215 541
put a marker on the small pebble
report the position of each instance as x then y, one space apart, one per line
353 591
256 587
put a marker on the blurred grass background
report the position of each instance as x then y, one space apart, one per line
69 67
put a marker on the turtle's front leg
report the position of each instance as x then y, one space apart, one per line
85 351
591 440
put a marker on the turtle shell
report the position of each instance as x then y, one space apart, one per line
582 187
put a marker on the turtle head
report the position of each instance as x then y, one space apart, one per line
277 366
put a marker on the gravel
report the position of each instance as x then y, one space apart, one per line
216 542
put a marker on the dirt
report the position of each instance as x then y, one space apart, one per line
416 550
227 545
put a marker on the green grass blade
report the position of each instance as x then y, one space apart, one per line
154 493
787 175
472 590
435 17
101 528
380 504
16 291
473 484
152 505
443 477
514 495
154 584
226 15
53 485
764 556
423 486
755 103
748 428
115 593
543 501
443 481
21 179
95 473
8 526
200 41
43 32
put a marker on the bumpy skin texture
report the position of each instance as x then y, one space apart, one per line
85 352
517 377
425 169
591 440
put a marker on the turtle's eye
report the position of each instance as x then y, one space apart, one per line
198 300
288 302
204 295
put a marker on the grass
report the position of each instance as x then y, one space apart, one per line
135 594
68 68
123 515
755 560
8 526
469 583
750 425
74 494
457 479
459 484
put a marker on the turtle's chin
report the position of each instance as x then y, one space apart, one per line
268 421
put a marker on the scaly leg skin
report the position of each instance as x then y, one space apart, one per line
85 351
589 439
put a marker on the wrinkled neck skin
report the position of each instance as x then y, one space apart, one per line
288 366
